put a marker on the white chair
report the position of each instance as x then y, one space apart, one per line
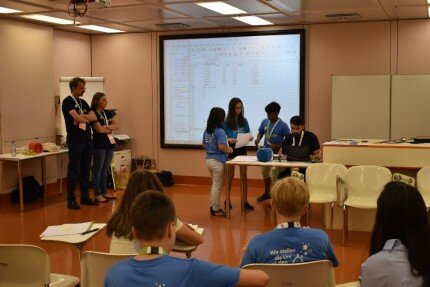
27 266
309 274
404 178
363 184
423 184
94 266
321 181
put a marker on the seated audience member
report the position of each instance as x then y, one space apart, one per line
400 242
153 220
119 225
301 137
274 130
289 242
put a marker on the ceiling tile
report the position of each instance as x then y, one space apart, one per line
193 23
133 13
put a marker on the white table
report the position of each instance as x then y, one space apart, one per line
20 157
243 162
373 152
78 240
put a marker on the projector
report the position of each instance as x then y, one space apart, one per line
106 3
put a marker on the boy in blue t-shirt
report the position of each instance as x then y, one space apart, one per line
289 242
274 131
153 221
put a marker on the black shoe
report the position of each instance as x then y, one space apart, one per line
225 204
218 212
248 206
263 197
88 201
73 205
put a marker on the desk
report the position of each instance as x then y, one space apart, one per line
244 161
396 155
20 157
183 247
78 240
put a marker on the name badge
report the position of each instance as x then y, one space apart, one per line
111 138
83 126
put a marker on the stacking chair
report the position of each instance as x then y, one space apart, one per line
321 181
94 266
423 184
404 178
309 274
29 266
363 185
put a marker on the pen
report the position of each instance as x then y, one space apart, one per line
89 231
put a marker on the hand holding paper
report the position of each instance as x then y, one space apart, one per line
243 140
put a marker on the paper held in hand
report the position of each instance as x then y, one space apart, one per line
67 229
242 140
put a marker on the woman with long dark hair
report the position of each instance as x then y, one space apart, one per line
119 225
235 123
216 146
103 142
400 243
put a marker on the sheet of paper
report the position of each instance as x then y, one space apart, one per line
66 229
198 229
245 158
122 137
242 140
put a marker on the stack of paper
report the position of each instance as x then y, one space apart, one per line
196 228
67 229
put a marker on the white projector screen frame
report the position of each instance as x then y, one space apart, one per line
201 71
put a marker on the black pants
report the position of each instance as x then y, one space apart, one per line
79 163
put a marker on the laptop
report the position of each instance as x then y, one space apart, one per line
296 153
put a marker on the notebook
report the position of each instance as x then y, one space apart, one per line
67 229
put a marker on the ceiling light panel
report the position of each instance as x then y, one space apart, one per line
4 10
253 20
100 29
221 7
49 19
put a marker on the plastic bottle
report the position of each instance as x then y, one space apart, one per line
13 149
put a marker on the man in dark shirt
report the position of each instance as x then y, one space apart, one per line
300 137
77 116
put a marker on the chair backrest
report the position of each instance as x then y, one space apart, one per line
366 181
94 266
423 181
321 177
23 265
309 274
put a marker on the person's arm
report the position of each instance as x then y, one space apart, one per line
188 235
100 129
224 148
113 125
252 278
77 117
90 116
222 143
258 139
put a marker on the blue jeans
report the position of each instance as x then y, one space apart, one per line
102 160
79 163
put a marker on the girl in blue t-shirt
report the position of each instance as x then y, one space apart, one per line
216 146
235 123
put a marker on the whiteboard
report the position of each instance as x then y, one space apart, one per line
93 85
410 106
360 107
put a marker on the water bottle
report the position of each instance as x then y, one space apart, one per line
13 149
